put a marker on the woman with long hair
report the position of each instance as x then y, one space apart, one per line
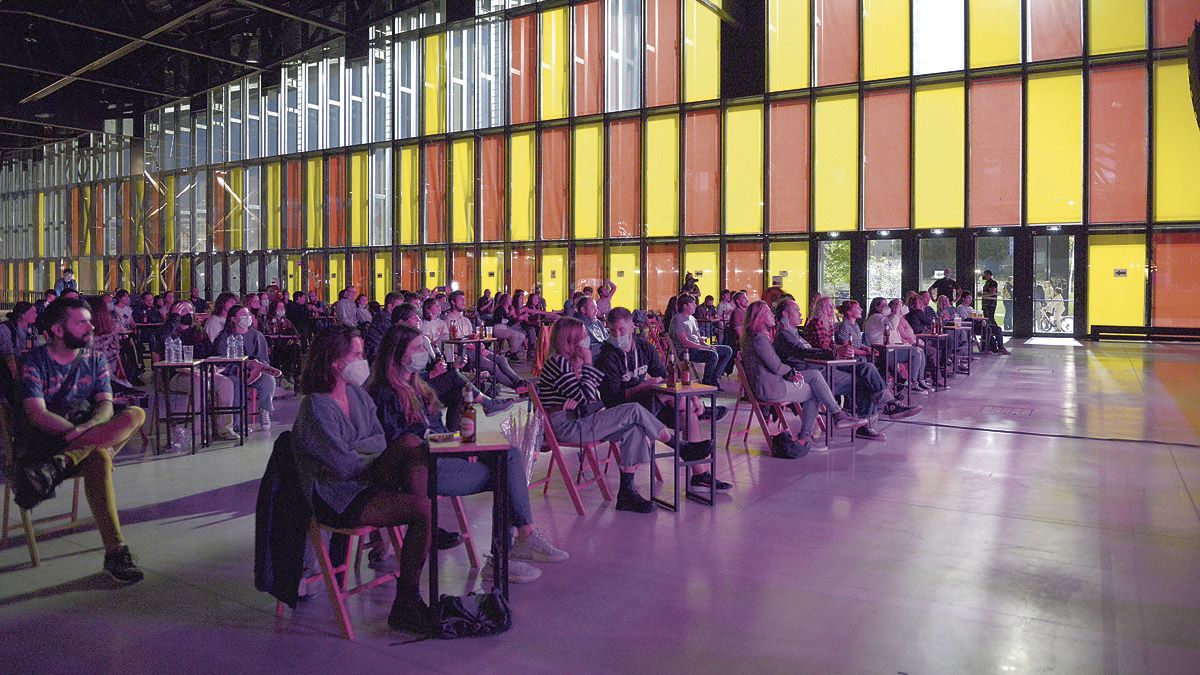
180 324
259 374
106 340
506 325
569 389
821 323
772 379
407 407
284 337
848 335
216 322
351 475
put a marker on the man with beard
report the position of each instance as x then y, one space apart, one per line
70 429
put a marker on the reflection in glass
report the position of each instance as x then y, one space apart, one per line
1053 284
833 270
936 255
996 254
884 268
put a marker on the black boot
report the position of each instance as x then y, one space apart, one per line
410 613
628 498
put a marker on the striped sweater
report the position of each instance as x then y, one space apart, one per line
558 382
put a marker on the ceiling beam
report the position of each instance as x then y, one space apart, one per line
103 83
273 8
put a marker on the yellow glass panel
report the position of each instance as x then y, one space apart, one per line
704 261
237 214
744 169
885 38
435 84
836 166
360 199
183 279
1116 26
40 228
139 229
383 275
274 191
314 204
435 269
462 163
295 279
556 59
701 51
336 276
408 170
1055 150
522 164
168 217
787 266
995 32
662 175
554 277
938 145
625 263
491 271
1176 145
1116 300
588 180
788 65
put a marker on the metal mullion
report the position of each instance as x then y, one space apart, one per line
1151 214
860 221
1080 319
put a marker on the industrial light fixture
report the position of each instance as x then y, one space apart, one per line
939 231
994 230
885 233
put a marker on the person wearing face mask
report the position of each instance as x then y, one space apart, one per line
260 375
883 323
69 427
630 366
408 407
569 389
351 475
181 324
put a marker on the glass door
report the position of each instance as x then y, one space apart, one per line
884 269
1054 284
833 269
995 255
936 256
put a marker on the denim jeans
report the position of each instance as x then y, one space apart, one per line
870 383
715 362
458 478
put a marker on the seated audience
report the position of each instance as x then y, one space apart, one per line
495 364
880 330
216 322
793 350
260 375
506 325
586 312
180 325
14 334
349 472
198 301
686 336
604 296
380 323
284 339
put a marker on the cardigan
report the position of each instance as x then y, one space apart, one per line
334 452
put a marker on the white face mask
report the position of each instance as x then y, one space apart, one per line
356 372
622 342
885 311
279 313
903 310
245 321
418 362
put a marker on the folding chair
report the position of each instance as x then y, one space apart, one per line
464 527
756 410
339 592
8 463
557 460
543 350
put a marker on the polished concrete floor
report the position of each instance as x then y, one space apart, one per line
1040 516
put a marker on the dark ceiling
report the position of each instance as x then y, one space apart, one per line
68 65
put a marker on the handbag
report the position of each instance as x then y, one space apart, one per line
471 615
785 446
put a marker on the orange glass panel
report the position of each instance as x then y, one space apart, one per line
789 178
522 269
1173 21
336 202
588 266
553 171
523 69
995 153
625 178
293 221
1175 280
589 58
1117 144
662 52
491 178
662 275
837 42
886 159
702 172
744 269
406 268
463 272
360 274
435 193
1056 30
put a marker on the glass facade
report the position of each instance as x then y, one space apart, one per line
507 149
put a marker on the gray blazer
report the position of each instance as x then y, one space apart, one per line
333 452
766 373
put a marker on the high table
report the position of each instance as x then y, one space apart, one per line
479 343
891 365
969 333
680 393
209 369
941 343
162 372
987 330
485 442
831 366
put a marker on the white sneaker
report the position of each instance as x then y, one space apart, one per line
264 420
518 572
227 434
537 547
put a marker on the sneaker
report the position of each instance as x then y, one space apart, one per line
695 451
919 389
899 411
721 412
264 420
34 482
494 406
537 547
844 420
227 434
445 540
870 434
630 500
703 480
118 564
518 572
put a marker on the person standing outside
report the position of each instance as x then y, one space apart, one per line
988 296
946 286
66 283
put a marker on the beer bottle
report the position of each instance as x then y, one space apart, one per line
466 424
685 368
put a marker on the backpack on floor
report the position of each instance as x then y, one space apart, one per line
785 446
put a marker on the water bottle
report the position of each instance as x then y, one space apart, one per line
173 350
241 347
